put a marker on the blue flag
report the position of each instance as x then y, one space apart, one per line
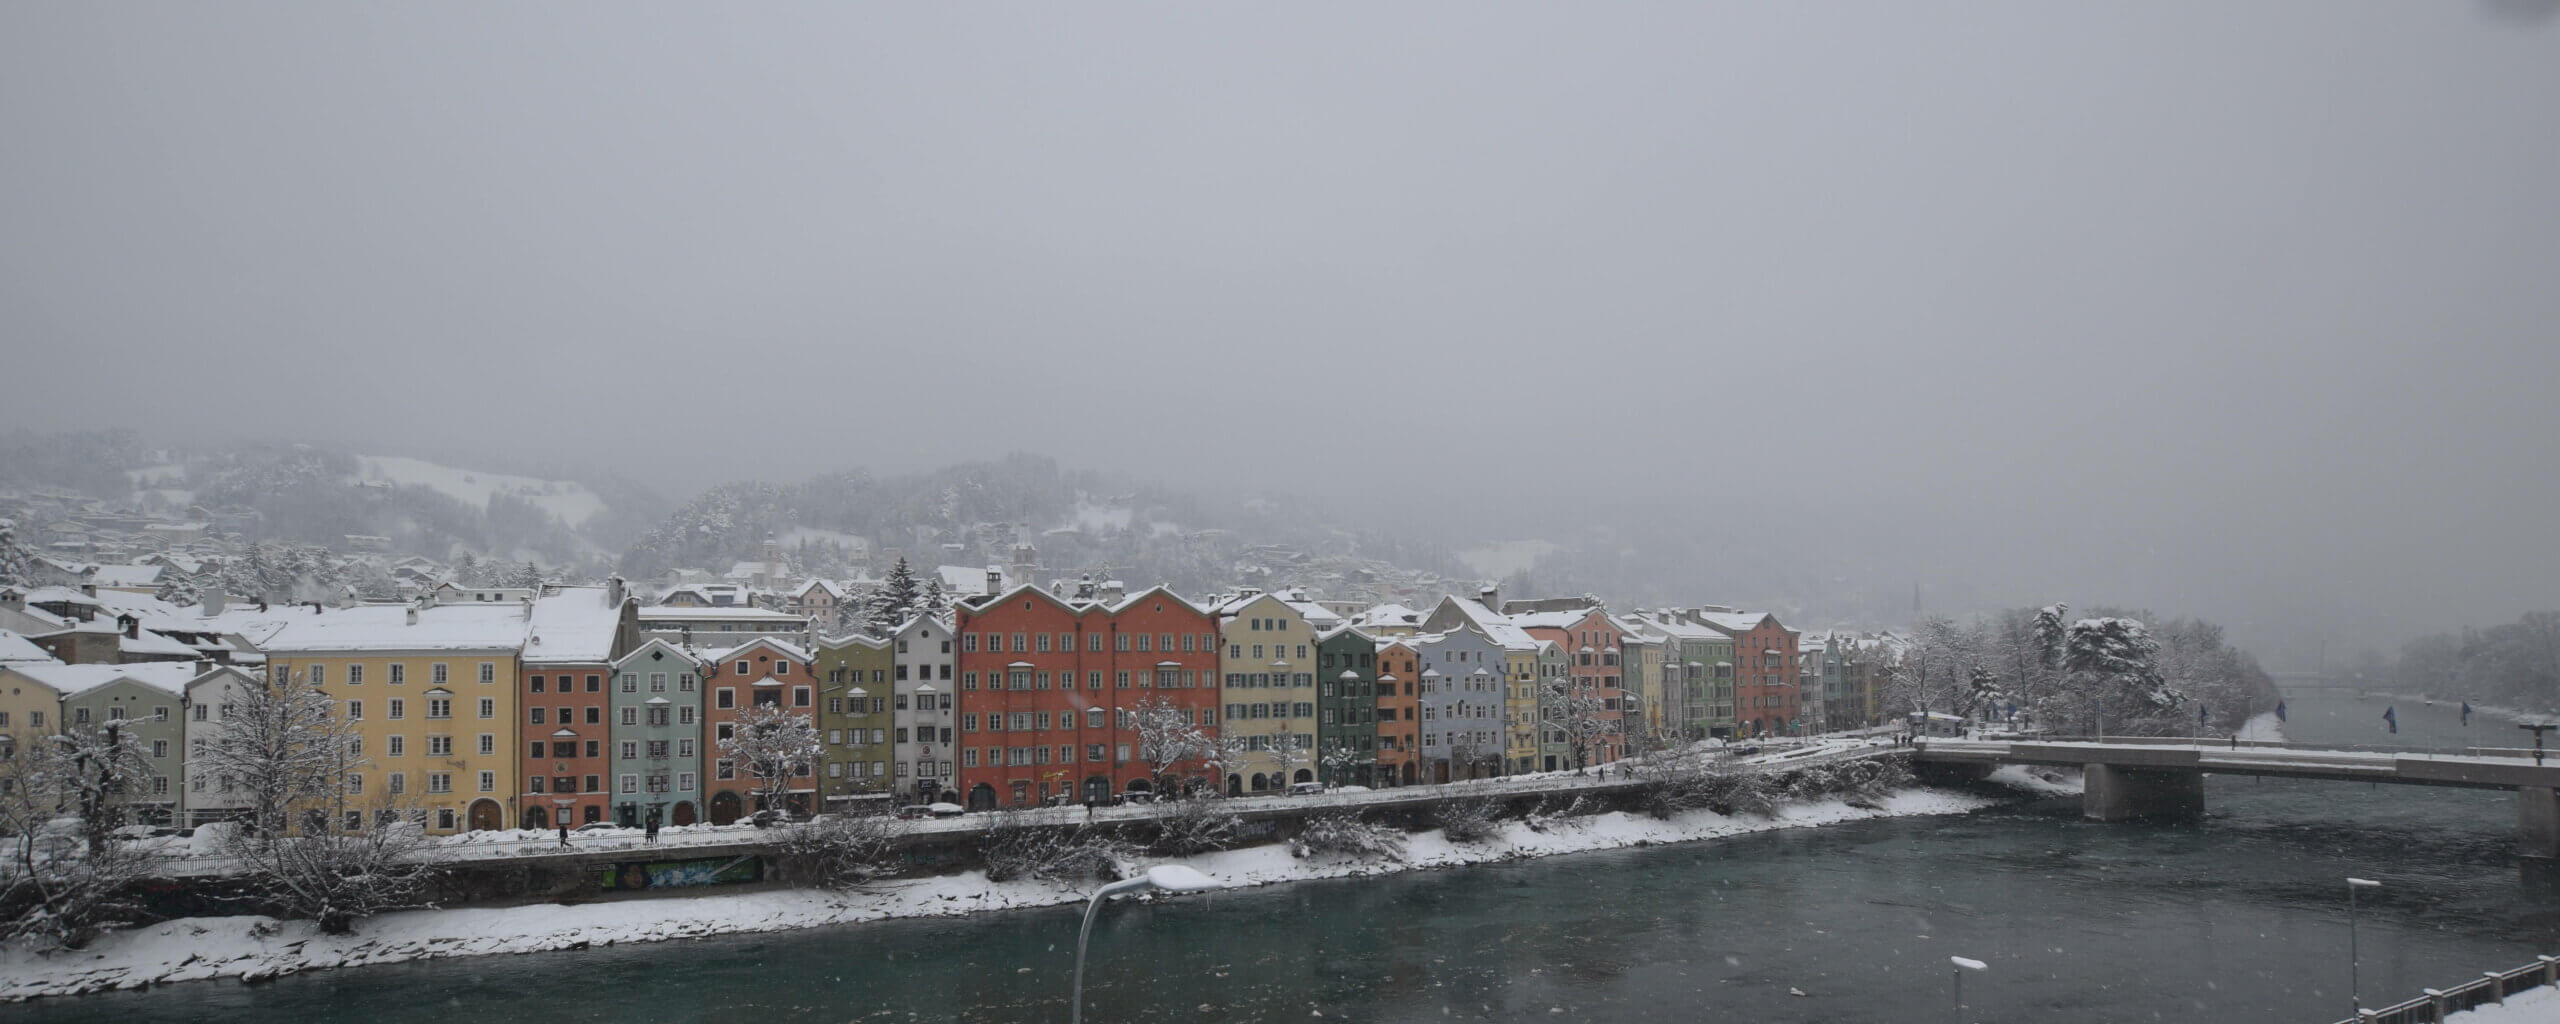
2279 711
2200 715
2466 712
2392 715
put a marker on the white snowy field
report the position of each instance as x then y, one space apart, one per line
252 947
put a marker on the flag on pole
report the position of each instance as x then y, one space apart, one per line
2392 716
2466 712
2201 717
2279 711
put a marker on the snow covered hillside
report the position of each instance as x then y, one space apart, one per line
567 499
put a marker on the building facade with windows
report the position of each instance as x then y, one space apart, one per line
1346 707
1461 697
656 743
430 690
854 722
924 703
573 638
769 672
1590 640
1267 682
1399 712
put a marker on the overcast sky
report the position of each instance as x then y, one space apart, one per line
2246 308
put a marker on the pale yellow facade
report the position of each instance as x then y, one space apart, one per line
28 710
1519 708
439 728
1268 689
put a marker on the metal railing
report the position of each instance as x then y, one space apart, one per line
2490 988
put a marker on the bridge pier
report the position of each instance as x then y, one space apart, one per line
2109 793
2538 821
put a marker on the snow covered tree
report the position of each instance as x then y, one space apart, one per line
896 601
933 600
526 575
2114 659
1341 762
314 846
1227 754
1582 716
177 588
14 559
64 880
773 745
466 570
282 748
1166 738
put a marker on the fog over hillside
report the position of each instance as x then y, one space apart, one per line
2240 311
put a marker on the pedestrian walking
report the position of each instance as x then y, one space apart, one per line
653 828
564 835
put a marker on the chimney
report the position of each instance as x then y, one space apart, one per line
411 615
88 590
527 602
132 626
213 601
614 590
1490 595
204 665
995 580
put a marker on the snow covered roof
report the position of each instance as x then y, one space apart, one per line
829 586
1735 622
61 595
493 626
732 613
970 580
18 648
126 576
148 642
575 626
1388 614
1550 620
170 677
667 650
1499 628
789 650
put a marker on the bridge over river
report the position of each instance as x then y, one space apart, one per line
2155 778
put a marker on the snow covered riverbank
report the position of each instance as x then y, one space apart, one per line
253 948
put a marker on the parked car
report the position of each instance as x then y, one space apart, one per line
947 810
600 826
1140 798
911 812
1306 789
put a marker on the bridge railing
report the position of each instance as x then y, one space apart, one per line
2490 988
2226 743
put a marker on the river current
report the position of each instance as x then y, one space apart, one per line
2240 918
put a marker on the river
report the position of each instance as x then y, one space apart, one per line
2240 918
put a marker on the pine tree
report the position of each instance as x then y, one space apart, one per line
13 559
896 601
530 575
466 570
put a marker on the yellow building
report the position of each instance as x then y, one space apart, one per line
430 689
1268 686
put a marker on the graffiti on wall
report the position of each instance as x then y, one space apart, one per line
665 874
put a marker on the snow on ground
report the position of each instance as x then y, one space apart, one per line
2263 727
2538 1006
251 948
569 500
2038 779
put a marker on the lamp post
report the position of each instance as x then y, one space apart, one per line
1168 877
2537 729
1963 964
2353 981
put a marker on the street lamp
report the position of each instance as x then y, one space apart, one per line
2537 729
1963 964
1168 877
2354 884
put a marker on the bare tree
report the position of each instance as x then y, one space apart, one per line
773 745
842 851
66 879
367 857
1289 752
1166 738
1340 760
282 746
1227 754
1583 717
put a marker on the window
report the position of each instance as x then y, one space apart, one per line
488 674
397 746
488 707
782 668
537 715
534 784
399 782
742 668
684 782
355 784
319 674
630 783
534 685
488 782
439 746
441 782
684 715
725 698
399 673
355 675
724 769
657 682
630 682
631 716
439 707
436 674
684 748
355 712
399 708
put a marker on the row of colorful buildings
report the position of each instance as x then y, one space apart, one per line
564 705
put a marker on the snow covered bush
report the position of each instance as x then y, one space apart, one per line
1015 848
1468 821
841 851
1186 827
1345 835
66 878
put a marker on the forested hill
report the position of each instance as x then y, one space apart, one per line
973 513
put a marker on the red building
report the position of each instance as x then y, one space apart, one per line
768 672
1768 700
1047 686
573 635
1590 640
1399 715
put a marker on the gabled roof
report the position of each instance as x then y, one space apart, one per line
653 644
825 585
170 677
15 648
790 650
1492 625
575 626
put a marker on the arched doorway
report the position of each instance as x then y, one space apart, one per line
1140 786
1260 782
1439 771
486 816
1304 775
592 814
535 817
1235 785
684 813
726 808
1408 773
982 797
1097 789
